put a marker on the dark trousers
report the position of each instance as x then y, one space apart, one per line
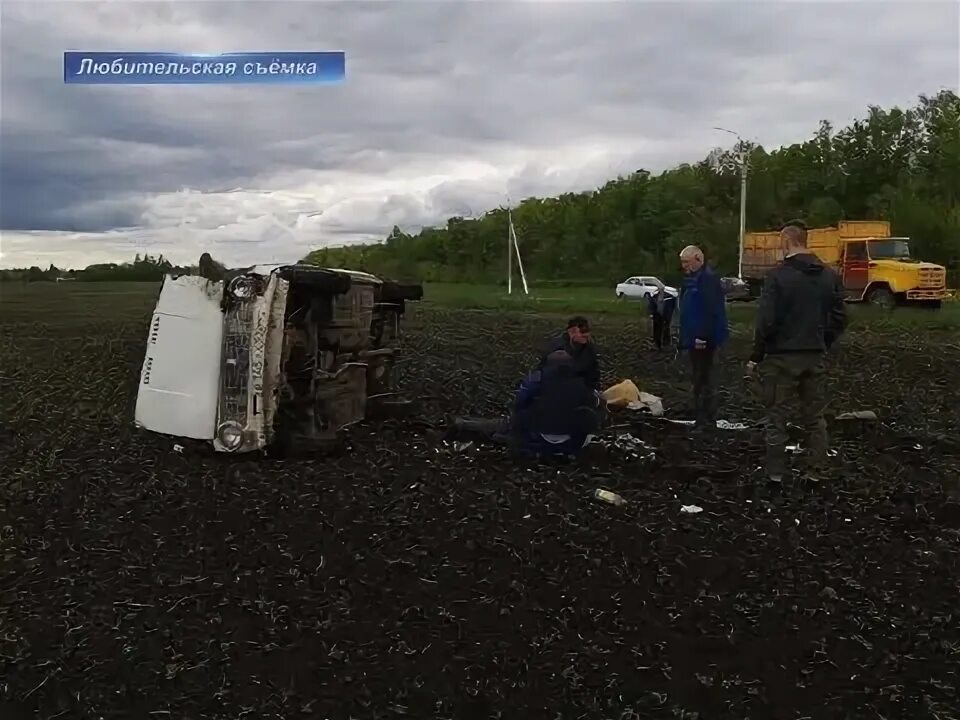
489 429
703 373
508 431
794 377
661 328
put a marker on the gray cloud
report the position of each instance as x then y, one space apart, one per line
448 108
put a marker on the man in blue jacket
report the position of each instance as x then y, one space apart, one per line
555 412
703 330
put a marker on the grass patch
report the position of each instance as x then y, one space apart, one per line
602 301
66 303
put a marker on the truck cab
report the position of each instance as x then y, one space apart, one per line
880 270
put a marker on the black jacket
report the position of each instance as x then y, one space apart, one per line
802 308
586 362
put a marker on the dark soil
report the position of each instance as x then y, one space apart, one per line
404 579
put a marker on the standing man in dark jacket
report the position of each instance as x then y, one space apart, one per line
661 305
577 342
801 315
703 330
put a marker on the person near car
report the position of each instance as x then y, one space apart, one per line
802 313
555 412
577 342
703 331
661 306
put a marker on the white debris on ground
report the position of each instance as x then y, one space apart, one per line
609 497
455 446
647 403
858 415
721 424
691 509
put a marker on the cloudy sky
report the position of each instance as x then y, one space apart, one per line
448 108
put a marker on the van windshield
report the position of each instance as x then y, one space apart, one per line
889 250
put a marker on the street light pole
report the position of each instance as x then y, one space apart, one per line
743 213
742 165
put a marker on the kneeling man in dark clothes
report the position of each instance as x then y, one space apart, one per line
555 412
577 342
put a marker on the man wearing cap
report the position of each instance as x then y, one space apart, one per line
802 313
703 331
577 342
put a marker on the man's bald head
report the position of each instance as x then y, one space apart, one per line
691 258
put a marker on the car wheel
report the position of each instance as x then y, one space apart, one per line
620 295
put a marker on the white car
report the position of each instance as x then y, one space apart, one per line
640 287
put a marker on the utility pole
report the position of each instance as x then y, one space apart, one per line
742 164
743 210
513 246
509 252
516 247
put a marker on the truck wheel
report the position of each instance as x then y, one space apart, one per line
882 298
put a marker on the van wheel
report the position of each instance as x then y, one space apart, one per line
882 298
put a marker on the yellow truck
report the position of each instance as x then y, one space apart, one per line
875 266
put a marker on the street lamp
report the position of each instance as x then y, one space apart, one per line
741 163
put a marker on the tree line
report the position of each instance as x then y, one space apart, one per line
897 165
901 165
142 269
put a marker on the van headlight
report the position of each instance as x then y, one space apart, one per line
243 287
230 435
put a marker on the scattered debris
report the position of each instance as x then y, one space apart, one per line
692 509
857 415
721 424
608 497
627 395
647 403
626 443
456 446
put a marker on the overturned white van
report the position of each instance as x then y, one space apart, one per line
275 357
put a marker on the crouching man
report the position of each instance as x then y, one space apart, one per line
555 412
